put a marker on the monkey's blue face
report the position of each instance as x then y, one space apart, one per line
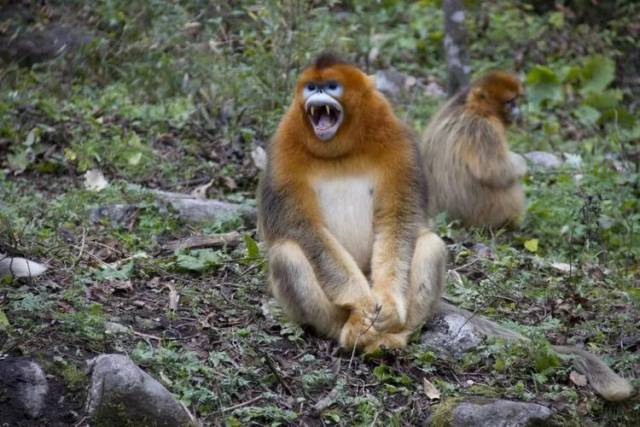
323 108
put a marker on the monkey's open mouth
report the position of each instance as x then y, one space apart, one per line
325 118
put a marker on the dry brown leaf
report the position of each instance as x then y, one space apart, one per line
430 390
578 379
200 192
174 297
94 180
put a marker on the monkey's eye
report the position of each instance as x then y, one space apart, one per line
334 89
309 89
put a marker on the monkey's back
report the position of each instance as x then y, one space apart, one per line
452 188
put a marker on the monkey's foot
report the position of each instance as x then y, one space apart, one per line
358 331
389 341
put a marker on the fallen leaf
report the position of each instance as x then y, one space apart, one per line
174 297
134 160
562 267
578 379
121 286
531 245
430 390
455 278
94 180
4 322
259 157
200 191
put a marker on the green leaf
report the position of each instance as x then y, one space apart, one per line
531 245
556 19
253 251
191 263
605 100
545 359
597 73
198 260
543 84
134 159
4 322
587 115
570 73
619 116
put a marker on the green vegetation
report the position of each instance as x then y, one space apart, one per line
176 94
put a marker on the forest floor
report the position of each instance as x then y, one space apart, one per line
176 96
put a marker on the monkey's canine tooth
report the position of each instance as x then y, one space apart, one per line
328 109
313 110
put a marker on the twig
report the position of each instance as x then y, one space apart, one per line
240 405
355 344
196 242
273 369
81 252
147 336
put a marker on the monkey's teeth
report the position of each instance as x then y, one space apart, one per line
328 109
313 110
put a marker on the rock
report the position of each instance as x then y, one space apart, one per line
543 159
189 208
117 214
192 209
451 332
123 394
454 330
499 413
31 46
483 251
114 328
19 267
23 389
392 82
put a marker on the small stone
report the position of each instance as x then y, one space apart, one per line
499 413
114 328
117 214
543 159
123 394
23 387
483 251
451 332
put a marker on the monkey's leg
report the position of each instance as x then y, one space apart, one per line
426 285
295 286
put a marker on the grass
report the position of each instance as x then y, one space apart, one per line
173 95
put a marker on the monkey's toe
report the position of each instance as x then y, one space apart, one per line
389 341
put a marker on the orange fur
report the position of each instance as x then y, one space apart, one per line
371 156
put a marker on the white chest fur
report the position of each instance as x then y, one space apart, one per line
347 208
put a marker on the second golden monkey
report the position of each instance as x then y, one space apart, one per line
471 173
342 209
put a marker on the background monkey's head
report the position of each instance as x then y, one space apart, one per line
496 94
332 99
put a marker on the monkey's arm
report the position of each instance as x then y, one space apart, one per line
401 213
483 151
287 218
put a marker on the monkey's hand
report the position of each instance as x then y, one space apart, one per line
519 164
392 311
359 330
